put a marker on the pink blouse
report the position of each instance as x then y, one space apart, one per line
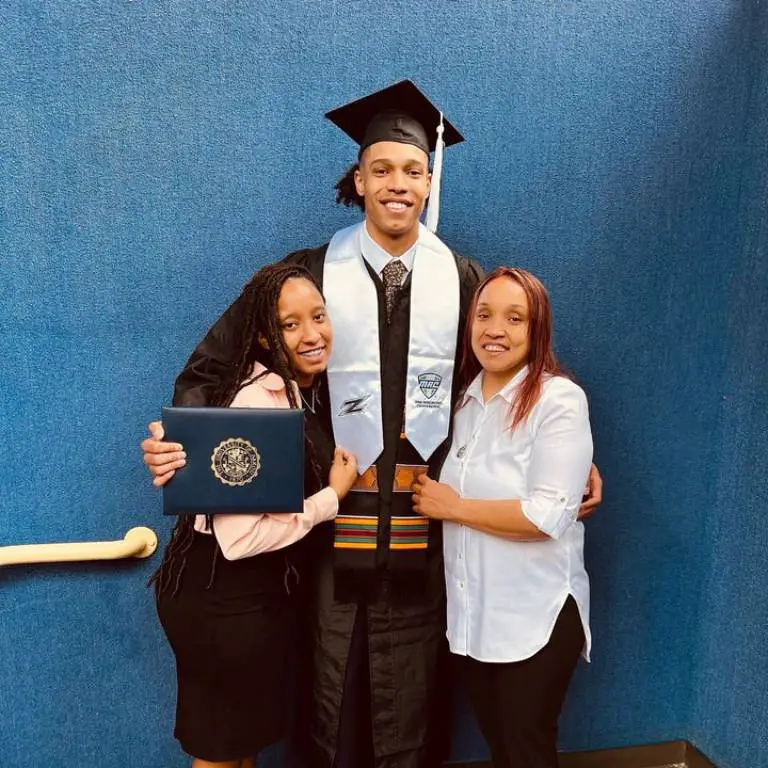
247 535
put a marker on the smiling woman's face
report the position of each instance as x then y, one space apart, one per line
394 180
305 327
500 329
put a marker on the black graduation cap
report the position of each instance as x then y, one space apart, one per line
400 112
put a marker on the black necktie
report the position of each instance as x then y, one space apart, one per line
392 277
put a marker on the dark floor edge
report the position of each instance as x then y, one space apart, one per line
669 754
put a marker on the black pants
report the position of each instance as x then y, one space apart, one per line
517 705
355 744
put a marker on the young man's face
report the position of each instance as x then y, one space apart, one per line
394 180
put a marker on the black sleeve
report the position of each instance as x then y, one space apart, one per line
470 276
215 354
210 361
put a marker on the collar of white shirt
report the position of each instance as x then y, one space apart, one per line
378 258
508 391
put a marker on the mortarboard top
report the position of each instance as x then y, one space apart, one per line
400 112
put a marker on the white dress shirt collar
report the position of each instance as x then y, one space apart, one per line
378 258
508 391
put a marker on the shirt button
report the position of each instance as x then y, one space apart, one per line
461 585
562 499
460 556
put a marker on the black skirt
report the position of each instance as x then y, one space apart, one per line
230 626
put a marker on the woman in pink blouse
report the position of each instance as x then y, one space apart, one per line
227 593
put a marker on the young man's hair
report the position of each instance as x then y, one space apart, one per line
346 192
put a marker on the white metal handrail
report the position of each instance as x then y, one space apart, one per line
138 542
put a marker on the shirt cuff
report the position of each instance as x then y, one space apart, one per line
550 516
326 504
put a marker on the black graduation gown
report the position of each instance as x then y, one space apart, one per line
405 612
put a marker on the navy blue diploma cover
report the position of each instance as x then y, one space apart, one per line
239 460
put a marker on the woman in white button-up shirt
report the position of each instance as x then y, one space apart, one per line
509 496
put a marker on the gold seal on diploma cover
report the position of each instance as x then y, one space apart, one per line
235 461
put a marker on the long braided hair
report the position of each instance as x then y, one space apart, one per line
259 319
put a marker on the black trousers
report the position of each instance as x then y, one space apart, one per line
517 704
355 743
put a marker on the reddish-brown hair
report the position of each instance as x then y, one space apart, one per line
541 359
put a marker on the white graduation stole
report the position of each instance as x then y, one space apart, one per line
354 369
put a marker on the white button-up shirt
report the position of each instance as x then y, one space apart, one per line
505 596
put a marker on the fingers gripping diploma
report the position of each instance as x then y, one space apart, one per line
433 499
162 458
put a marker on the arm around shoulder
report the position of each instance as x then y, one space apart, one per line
211 360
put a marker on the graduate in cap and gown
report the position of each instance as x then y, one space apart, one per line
397 297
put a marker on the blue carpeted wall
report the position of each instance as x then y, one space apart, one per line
154 154
730 701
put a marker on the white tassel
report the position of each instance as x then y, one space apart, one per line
433 209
